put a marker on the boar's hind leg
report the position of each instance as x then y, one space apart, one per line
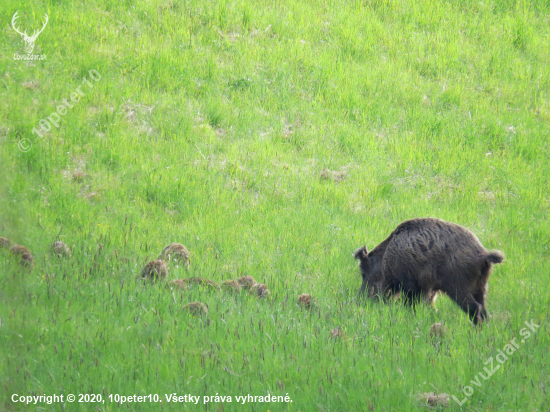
429 297
363 286
471 306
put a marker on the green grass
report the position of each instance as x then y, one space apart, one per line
214 125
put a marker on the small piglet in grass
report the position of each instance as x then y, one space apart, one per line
424 256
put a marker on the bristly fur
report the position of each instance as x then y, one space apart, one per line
424 256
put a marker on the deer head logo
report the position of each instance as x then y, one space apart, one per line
26 38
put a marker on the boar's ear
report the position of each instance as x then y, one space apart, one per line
495 256
361 253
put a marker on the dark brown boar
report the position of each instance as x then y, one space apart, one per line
424 256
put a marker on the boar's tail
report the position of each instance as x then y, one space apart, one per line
495 256
361 253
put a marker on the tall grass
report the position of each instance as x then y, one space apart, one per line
272 139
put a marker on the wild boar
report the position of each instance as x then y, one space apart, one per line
424 256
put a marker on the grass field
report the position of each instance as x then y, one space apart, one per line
272 139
